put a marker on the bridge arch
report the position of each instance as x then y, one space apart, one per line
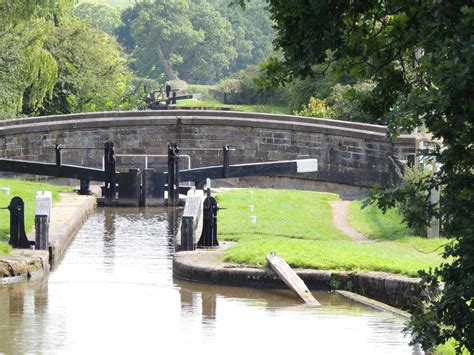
352 157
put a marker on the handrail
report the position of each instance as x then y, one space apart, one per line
188 157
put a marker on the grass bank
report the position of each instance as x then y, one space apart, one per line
298 225
390 227
27 191
211 103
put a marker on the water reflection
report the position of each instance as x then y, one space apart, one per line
114 292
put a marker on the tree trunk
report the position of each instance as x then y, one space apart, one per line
170 75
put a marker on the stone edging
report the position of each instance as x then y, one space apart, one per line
205 266
22 265
67 216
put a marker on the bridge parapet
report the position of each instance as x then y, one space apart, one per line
348 153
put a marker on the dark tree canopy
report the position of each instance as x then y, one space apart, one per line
419 55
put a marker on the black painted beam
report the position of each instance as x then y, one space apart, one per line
243 170
46 169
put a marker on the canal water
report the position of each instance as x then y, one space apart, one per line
114 292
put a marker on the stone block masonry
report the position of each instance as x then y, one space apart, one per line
348 153
67 217
206 266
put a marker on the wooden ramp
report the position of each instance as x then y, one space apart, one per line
291 279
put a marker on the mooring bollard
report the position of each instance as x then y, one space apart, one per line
209 228
44 203
18 237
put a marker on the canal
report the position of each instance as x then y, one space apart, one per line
114 292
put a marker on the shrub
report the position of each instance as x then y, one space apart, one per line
315 108
347 102
411 198
243 89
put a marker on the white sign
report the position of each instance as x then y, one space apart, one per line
306 165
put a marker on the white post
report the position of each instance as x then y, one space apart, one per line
432 231
44 203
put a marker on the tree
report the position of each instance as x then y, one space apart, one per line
210 57
15 12
101 16
200 42
12 76
28 71
419 56
92 72
160 31
253 33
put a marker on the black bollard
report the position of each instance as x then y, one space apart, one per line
173 98
209 228
18 237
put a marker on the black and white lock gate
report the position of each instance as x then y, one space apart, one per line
147 187
85 174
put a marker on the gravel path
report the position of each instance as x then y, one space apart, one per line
340 216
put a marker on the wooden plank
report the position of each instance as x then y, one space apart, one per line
291 279
373 303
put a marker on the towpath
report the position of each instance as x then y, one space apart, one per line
340 217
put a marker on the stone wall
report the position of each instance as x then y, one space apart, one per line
348 153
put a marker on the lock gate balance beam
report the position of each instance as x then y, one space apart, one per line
47 169
200 175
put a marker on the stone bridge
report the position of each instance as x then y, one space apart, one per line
352 157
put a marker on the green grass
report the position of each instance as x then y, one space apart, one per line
373 223
5 248
280 213
298 226
390 227
211 103
27 191
333 255
200 89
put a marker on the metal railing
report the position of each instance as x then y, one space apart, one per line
154 156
